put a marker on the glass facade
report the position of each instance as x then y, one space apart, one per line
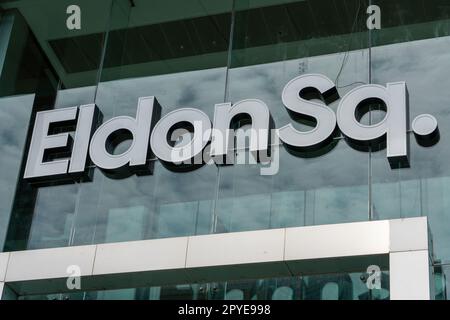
199 53
318 287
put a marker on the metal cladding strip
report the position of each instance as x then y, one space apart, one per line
409 234
49 263
337 240
410 275
239 255
410 260
148 262
4 257
229 256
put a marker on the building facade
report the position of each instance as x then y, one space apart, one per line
338 208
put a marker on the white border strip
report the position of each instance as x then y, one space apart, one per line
231 256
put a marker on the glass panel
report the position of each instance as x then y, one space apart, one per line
74 50
267 31
307 189
422 62
440 282
23 69
13 129
318 287
52 221
244 199
46 55
161 37
350 286
141 211
23 66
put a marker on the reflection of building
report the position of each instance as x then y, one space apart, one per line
190 54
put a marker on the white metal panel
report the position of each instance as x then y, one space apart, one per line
408 234
337 240
409 275
49 263
235 248
4 257
137 256
238 255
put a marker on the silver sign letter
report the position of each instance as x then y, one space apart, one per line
223 138
393 126
294 97
41 141
121 128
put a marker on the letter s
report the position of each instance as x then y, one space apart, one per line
294 97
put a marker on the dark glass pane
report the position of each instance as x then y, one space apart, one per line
74 53
317 287
171 37
15 115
